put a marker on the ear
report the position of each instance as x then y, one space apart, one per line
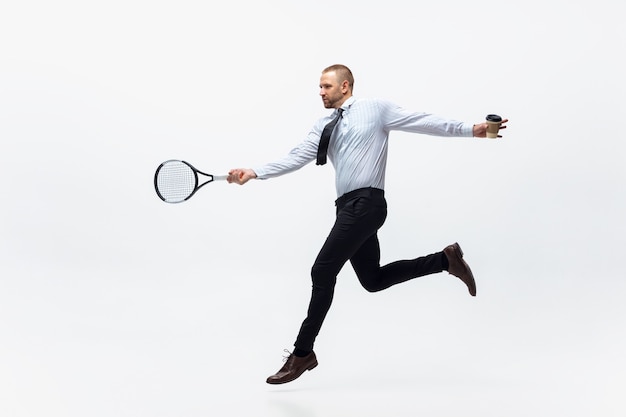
345 86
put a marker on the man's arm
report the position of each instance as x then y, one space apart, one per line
298 157
397 118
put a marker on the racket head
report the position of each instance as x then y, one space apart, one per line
175 181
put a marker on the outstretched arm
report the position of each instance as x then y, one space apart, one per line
480 129
298 157
240 175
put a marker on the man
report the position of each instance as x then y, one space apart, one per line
354 137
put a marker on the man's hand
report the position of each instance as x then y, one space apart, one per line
480 129
240 175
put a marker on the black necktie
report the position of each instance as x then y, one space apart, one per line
325 139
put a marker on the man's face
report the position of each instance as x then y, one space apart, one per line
331 91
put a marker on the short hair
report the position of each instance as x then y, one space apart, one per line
343 73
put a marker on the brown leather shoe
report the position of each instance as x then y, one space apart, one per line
459 268
293 368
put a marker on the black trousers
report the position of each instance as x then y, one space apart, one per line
360 213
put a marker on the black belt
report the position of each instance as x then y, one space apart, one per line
360 192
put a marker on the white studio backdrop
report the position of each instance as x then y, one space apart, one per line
114 303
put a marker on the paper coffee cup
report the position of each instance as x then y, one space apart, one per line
493 125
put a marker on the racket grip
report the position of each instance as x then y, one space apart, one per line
219 177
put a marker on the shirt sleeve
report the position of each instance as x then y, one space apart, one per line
397 118
298 157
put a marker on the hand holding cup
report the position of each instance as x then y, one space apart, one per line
494 122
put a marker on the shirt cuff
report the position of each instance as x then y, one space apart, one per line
468 130
260 174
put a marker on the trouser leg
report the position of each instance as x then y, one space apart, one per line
373 277
356 222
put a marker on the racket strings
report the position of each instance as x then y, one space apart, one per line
176 181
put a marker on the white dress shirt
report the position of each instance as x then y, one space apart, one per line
358 146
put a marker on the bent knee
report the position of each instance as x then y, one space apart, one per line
371 286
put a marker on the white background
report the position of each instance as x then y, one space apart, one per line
113 303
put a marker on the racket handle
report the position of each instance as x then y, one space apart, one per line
219 177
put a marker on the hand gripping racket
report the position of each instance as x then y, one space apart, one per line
176 181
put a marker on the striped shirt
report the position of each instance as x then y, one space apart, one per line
358 146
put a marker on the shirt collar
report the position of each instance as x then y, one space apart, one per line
349 102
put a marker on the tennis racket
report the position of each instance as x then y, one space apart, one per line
176 181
